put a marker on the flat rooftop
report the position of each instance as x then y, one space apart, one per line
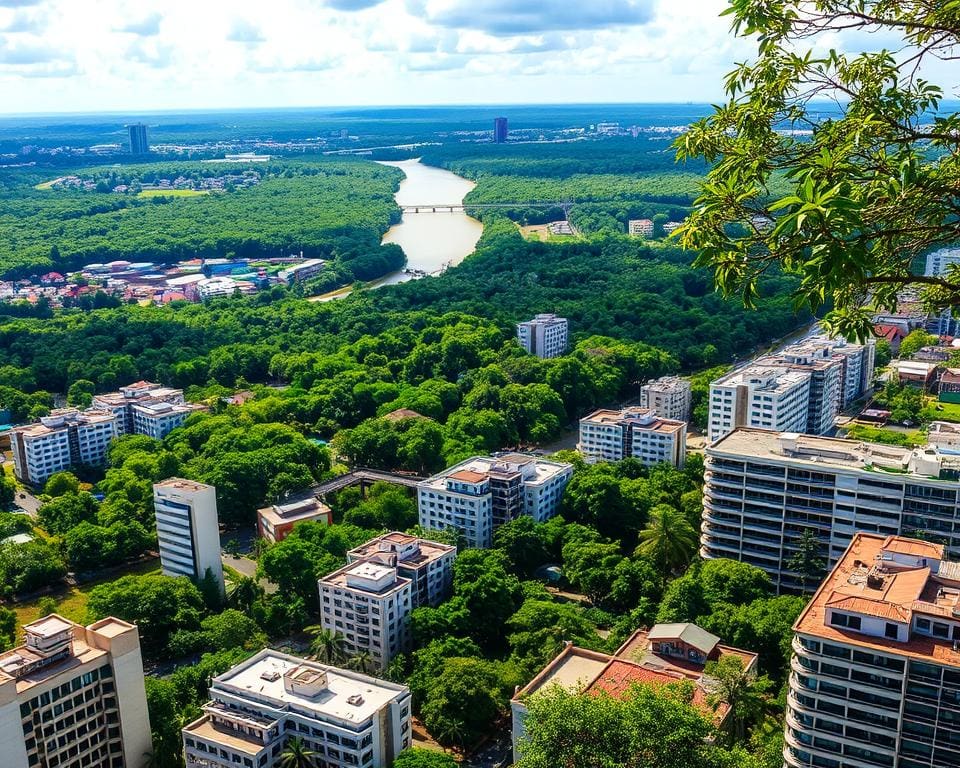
262 677
642 418
543 469
180 484
293 511
364 569
204 728
775 378
823 452
897 594
427 551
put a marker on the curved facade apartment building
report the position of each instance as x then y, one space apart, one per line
763 489
875 674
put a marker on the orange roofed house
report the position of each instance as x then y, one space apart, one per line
875 675
666 653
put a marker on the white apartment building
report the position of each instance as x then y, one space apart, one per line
302 271
875 674
188 531
768 397
65 438
348 720
428 564
939 261
73 697
858 365
159 419
368 604
764 489
668 397
643 227
545 336
478 494
637 433
123 401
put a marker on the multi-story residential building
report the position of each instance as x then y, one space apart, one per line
666 653
545 336
275 522
500 130
858 365
875 674
188 531
139 145
764 396
764 489
481 493
668 396
73 696
159 419
123 401
65 438
301 272
347 719
427 564
637 433
642 227
939 261
826 381
369 605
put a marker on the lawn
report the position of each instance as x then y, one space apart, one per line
173 193
944 411
72 603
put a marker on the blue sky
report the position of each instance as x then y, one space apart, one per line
92 55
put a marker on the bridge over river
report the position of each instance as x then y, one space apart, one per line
463 207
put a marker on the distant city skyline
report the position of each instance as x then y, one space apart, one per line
59 56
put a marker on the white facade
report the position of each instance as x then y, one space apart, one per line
875 674
768 397
122 402
74 696
668 396
545 336
188 532
428 564
637 433
348 720
369 605
63 439
642 227
159 419
481 493
764 489
940 260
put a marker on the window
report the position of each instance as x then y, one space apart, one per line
891 631
845 620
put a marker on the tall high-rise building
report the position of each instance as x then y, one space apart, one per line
73 696
545 336
500 130
764 489
875 674
188 533
138 139
346 719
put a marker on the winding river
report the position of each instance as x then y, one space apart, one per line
431 241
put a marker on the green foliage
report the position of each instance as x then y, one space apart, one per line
851 204
348 205
668 540
417 757
158 605
8 492
8 628
60 483
80 393
29 566
539 629
915 341
64 512
386 506
463 701
219 632
648 728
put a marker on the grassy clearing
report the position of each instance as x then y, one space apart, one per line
173 193
944 411
72 603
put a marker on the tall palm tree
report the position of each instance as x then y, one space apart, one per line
361 661
243 592
747 695
327 644
669 539
296 755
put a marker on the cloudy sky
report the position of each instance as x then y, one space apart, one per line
93 55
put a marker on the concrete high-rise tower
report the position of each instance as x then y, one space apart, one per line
500 130
138 139
187 529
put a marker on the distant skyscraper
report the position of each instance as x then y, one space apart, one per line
500 130
138 139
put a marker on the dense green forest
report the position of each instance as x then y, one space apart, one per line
336 209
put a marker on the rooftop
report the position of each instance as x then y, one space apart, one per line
293 511
535 470
370 572
766 378
643 418
262 677
891 578
179 484
411 550
828 452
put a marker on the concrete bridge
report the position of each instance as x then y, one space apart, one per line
462 207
